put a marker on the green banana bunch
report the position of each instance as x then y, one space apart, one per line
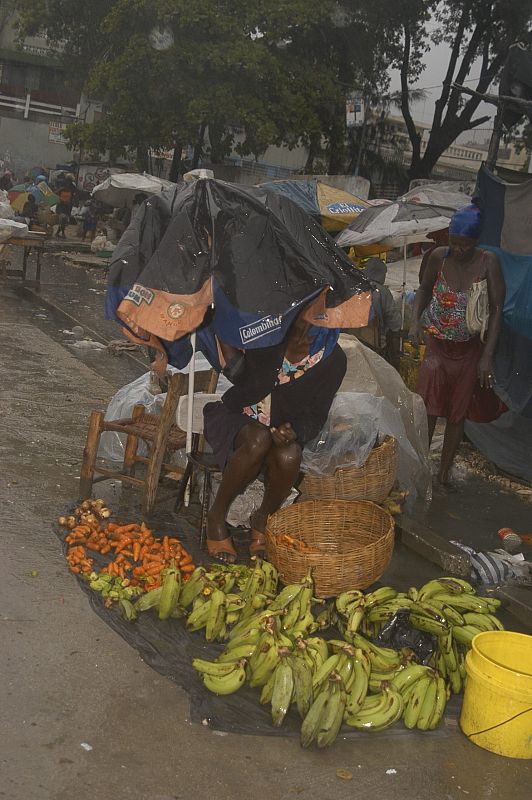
326 618
170 589
382 612
454 586
323 673
355 615
359 686
485 622
425 702
377 712
215 626
333 714
226 683
193 587
270 648
408 676
197 619
302 674
271 579
285 597
214 668
427 624
255 582
283 686
465 634
149 600
439 704
379 596
324 718
346 599
233 653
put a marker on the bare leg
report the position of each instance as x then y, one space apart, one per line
282 469
252 445
431 424
454 432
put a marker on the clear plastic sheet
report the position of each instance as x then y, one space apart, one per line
403 415
349 435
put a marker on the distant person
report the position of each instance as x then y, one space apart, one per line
457 357
29 210
63 211
6 181
89 220
387 315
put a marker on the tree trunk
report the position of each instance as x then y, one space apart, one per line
198 147
175 169
142 158
312 152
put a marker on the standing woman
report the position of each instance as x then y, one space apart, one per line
459 305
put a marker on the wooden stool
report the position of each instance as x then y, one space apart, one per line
160 433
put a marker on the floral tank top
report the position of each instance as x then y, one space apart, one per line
445 316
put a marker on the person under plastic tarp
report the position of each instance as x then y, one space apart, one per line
280 401
459 305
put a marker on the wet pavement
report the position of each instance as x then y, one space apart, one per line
82 715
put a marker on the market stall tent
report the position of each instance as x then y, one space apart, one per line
119 190
333 208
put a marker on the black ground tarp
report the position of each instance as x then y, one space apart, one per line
169 648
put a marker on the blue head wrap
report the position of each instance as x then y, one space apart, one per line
467 221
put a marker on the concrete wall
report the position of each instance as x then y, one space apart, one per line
24 144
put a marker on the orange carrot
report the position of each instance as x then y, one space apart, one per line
136 551
166 548
187 568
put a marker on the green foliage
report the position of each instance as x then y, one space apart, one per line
275 71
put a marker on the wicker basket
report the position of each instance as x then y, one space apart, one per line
372 481
354 540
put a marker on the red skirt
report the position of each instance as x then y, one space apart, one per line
448 382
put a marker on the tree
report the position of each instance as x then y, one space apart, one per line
474 30
278 71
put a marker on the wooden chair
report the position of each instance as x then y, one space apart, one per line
158 431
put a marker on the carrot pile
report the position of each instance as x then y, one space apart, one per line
136 553
296 544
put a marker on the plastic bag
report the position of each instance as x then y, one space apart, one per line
137 392
346 440
357 422
112 444
9 228
6 212
368 372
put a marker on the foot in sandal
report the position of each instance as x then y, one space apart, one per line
257 546
219 544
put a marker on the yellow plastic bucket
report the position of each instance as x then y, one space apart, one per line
497 709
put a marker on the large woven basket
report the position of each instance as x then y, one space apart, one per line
372 481
353 542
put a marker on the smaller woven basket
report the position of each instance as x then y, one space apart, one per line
353 541
372 481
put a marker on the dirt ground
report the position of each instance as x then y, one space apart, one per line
82 715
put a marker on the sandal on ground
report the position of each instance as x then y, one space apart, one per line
257 546
222 550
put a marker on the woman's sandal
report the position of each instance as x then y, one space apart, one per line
222 550
257 546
